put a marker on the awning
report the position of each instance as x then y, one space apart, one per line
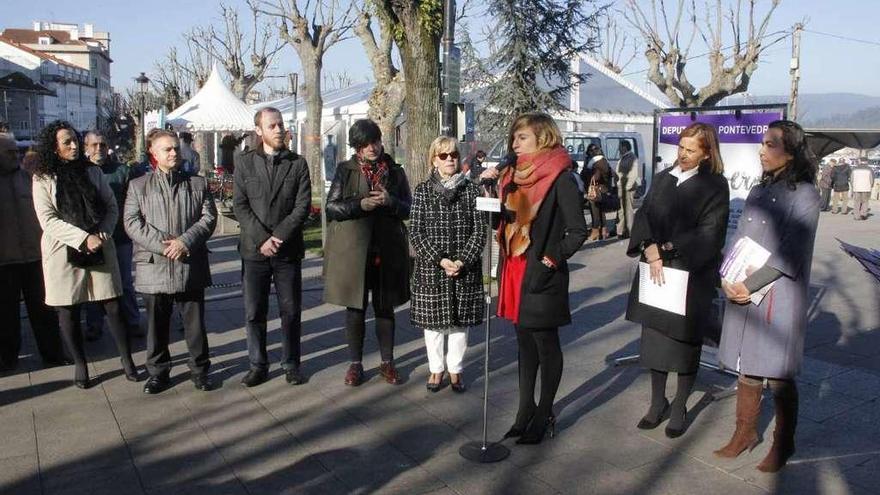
823 142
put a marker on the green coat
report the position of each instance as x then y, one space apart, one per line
350 230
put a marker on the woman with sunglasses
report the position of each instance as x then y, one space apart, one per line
448 235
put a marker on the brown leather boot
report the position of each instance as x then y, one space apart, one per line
786 402
594 235
389 373
748 408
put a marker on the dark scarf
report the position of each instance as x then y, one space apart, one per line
77 197
449 194
376 172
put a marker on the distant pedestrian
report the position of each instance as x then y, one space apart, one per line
840 177
862 182
825 183
191 160
597 178
629 180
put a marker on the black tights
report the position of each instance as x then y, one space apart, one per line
71 334
678 407
355 328
537 347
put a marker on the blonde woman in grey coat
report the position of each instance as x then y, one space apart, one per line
448 235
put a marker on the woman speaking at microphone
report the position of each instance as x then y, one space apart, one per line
681 224
542 225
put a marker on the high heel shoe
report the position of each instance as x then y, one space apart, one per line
534 436
517 431
457 387
434 387
647 424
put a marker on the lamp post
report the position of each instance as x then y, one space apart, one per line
293 89
143 83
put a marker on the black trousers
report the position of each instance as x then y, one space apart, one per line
26 280
256 277
355 322
159 309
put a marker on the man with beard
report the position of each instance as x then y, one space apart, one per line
271 199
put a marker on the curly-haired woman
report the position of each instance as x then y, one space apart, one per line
77 211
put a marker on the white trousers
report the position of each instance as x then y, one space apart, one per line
456 347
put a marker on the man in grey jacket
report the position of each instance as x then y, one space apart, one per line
170 215
21 272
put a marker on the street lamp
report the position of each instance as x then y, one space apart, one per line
143 83
293 89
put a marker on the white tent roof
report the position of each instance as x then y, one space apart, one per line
346 101
214 109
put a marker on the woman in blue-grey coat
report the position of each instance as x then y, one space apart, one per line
767 341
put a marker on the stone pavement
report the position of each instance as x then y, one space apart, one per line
323 437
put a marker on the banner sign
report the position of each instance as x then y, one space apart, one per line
739 142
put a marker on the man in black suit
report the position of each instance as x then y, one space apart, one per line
271 199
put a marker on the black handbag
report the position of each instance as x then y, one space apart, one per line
610 201
85 259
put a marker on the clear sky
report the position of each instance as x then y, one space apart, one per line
141 32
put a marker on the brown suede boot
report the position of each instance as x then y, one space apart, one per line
786 402
594 235
748 408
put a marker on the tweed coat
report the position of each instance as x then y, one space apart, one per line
149 219
446 227
768 340
66 284
351 230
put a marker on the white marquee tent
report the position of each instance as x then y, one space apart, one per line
213 109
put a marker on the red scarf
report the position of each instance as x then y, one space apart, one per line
376 173
532 177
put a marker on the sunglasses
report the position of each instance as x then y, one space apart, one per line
444 156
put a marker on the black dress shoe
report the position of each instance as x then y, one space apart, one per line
648 424
457 387
83 384
294 377
156 384
255 377
202 382
535 433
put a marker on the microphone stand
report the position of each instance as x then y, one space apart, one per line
485 451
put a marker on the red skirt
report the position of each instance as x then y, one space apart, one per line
510 291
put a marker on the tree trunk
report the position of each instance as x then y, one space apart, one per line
312 125
386 103
421 68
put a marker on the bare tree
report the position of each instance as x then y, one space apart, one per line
386 100
416 26
670 36
337 80
618 49
311 28
246 61
176 76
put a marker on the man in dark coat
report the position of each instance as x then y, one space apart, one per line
840 176
367 248
21 273
170 215
271 198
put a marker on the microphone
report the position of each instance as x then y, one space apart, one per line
506 161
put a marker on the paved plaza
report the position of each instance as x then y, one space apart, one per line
324 437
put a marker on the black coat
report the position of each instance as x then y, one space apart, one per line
446 224
267 208
350 230
558 231
693 217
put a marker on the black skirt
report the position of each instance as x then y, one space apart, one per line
663 353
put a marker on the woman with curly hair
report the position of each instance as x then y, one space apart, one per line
77 211
766 343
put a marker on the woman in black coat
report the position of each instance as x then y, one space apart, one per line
448 235
367 250
681 224
542 225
